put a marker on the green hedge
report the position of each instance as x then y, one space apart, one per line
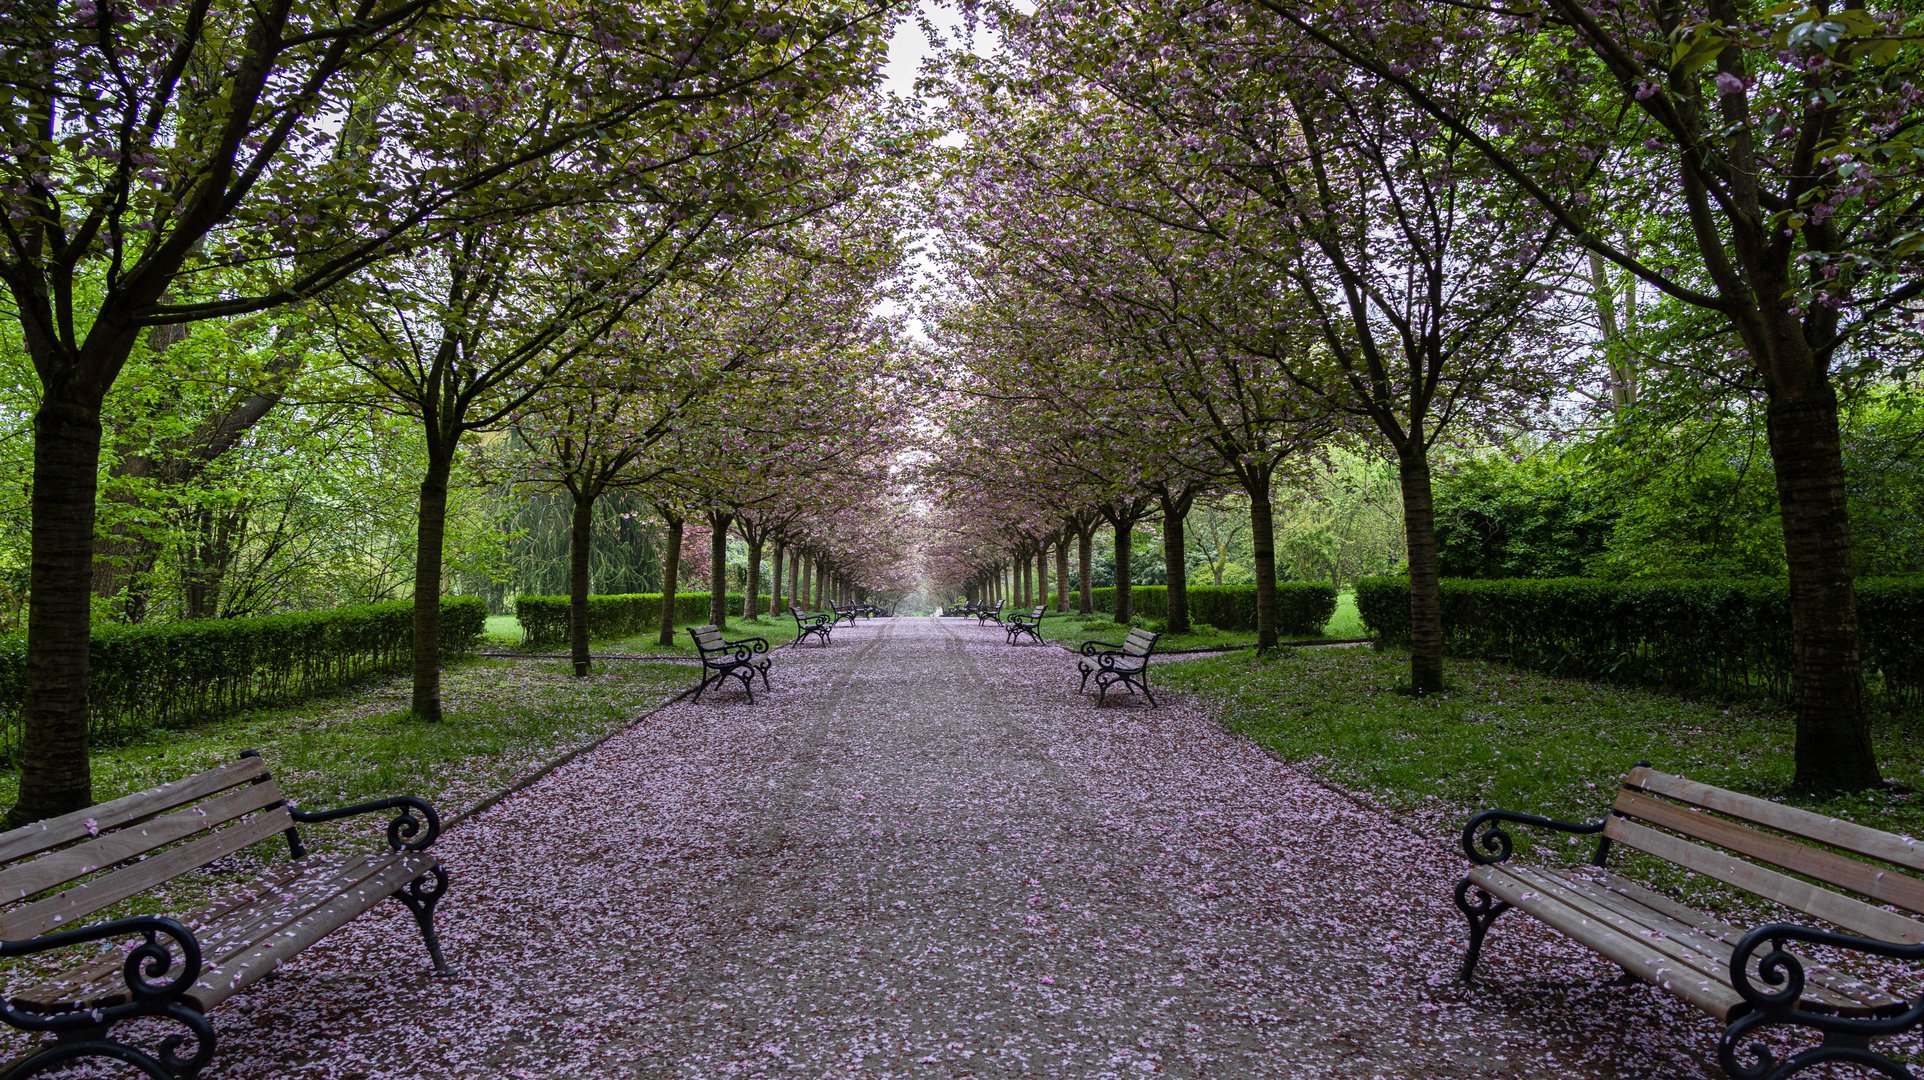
180 673
1718 636
1303 608
544 619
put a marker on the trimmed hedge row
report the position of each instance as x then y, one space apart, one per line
544 619
181 673
1717 636
1303 608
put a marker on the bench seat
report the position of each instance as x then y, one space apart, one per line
1659 940
281 914
1861 890
166 971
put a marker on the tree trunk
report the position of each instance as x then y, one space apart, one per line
1262 552
430 540
1125 588
718 522
670 578
55 772
752 592
821 584
581 533
1062 574
1085 566
1833 751
1426 593
1177 574
775 580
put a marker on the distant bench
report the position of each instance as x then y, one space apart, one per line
742 659
1019 625
1746 980
1125 665
56 873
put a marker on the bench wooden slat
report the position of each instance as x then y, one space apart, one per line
24 879
250 937
1700 942
1814 900
62 910
1633 953
1834 980
68 828
1885 887
291 938
1860 839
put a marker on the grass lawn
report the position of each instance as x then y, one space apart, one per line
1501 737
1346 623
504 717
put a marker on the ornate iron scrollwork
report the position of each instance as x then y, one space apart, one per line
406 832
159 971
1486 842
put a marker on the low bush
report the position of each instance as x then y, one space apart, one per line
1717 636
181 673
1303 608
544 619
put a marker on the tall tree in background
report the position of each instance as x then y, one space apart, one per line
1790 136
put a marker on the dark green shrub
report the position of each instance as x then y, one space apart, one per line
544 619
1717 635
1303 608
180 673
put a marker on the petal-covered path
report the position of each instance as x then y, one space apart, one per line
922 854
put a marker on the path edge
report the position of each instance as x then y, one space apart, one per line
541 772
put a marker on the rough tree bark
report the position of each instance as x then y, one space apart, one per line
429 544
670 574
1426 591
1257 481
581 531
55 772
1175 510
718 522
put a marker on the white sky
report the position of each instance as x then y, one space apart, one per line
910 45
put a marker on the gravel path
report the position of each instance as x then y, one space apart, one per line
923 855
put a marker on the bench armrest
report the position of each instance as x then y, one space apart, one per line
756 646
1091 648
1486 842
1782 973
405 832
149 960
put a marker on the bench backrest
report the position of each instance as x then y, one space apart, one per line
1038 612
55 873
707 638
1750 843
1140 642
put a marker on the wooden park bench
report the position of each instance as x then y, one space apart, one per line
170 971
985 615
1847 876
721 659
844 614
1030 624
1126 664
810 626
